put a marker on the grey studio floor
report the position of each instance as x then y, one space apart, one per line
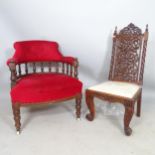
53 130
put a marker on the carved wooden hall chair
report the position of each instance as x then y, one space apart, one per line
126 74
40 74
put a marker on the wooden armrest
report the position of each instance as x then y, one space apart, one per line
71 60
12 66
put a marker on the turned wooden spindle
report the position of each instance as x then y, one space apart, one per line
76 64
34 67
26 68
71 70
67 69
57 67
63 68
19 69
42 67
49 67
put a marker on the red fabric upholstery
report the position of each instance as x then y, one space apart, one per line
27 51
32 51
37 88
69 60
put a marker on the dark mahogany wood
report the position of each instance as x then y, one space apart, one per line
53 67
78 105
139 104
129 110
16 113
127 65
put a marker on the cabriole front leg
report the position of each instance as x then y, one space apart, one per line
16 113
129 110
90 105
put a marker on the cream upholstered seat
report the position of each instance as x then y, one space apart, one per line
123 89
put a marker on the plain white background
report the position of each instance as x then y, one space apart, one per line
83 28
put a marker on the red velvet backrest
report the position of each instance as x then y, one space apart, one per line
29 51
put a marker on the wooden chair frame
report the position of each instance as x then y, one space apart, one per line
53 67
128 36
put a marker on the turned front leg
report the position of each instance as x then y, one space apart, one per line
129 110
78 105
90 105
16 113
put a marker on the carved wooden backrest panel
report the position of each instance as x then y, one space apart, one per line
128 54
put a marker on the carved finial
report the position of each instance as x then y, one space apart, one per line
146 28
131 29
131 25
115 32
146 33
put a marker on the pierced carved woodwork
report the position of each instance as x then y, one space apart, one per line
130 30
127 64
128 54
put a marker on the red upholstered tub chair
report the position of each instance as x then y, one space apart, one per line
41 74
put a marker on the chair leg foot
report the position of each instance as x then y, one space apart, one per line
138 115
18 132
16 113
89 117
129 110
90 104
128 131
78 106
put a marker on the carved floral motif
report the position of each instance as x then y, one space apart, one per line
128 58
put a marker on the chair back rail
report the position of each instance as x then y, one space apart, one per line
23 69
45 67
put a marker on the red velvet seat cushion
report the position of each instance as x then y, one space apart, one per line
36 50
37 88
